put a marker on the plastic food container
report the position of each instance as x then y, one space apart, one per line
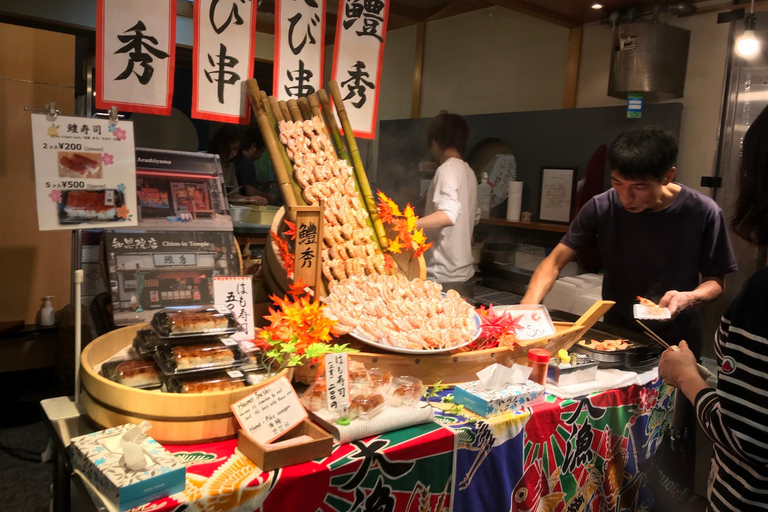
140 373
578 369
405 391
183 359
380 378
314 398
186 321
357 373
366 405
224 381
146 342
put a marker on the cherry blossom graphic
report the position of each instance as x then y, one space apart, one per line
122 212
55 196
121 187
120 134
107 159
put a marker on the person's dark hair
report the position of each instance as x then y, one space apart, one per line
643 153
250 136
448 131
750 220
223 139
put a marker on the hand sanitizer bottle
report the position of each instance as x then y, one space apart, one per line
47 313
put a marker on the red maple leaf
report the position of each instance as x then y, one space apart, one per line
291 231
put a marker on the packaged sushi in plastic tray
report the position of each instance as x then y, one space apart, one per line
136 373
314 398
220 381
366 403
380 378
405 391
184 321
146 342
185 359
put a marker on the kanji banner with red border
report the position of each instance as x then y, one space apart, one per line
357 58
299 48
135 55
225 32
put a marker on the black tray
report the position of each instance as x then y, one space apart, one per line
643 354
65 218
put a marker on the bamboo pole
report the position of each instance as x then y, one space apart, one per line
284 109
306 110
276 109
273 147
293 108
341 149
357 163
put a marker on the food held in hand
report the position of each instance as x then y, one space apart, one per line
401 313
211 384
196 356
606 345
652 308
138 374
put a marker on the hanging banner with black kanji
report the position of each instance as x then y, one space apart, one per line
360 33
135 49
299 48
225 32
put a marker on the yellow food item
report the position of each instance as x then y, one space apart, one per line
565 358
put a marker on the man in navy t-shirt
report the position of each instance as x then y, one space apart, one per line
658 239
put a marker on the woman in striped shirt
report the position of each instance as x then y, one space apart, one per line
735 415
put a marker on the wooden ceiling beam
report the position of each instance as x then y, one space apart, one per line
539 12
456 8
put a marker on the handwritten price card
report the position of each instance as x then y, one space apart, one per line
533 320
85 173
337 378
236 294
269 412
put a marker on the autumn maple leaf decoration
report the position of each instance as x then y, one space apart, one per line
404 225
291 231
495 325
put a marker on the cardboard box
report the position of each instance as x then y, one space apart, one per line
279 454
490 403
98 456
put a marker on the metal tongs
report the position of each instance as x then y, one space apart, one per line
705 374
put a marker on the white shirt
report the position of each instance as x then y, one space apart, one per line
453 191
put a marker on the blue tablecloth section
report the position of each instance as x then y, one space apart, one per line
560 455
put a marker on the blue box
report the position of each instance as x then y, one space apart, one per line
491 403
98 456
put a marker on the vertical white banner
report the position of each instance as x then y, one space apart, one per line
135 51
360 34
299 48
225 32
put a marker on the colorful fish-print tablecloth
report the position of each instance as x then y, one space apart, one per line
408 470
561 455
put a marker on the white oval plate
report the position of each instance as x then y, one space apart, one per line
411 351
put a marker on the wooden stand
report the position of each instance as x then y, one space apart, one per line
273 456
176 418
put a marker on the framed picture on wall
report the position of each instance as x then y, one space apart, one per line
558 185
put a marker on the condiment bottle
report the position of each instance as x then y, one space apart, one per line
538 360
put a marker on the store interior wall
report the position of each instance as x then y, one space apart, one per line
702 100
35 263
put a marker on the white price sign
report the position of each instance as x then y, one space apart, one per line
85 173
534 320
269 412
337 379
235 294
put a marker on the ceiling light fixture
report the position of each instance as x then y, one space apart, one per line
597 6
748 45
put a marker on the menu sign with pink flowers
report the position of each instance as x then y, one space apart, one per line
85 173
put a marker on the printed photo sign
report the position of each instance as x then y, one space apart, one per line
85 173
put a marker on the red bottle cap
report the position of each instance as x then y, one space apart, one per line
539 355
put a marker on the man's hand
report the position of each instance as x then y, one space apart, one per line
257 200
677 301
678 364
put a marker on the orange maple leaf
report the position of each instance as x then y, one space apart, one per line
422 249
291 231
395 246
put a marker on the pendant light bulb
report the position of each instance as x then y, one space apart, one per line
747 45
